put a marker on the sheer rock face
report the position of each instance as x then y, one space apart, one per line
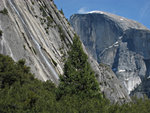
35 30
32 30
110 86
121 43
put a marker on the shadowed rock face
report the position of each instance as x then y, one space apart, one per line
121 43
38 32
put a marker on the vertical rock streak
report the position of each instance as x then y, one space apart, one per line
53 72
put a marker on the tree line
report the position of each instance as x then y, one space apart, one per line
77 92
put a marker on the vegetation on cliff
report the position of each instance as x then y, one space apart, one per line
1 32
4 11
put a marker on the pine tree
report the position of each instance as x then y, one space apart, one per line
78 79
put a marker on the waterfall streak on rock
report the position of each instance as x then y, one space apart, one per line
35 42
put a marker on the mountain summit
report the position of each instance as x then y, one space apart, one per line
121 43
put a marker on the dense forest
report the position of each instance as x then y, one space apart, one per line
77 92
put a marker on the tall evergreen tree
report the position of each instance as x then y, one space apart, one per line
78 76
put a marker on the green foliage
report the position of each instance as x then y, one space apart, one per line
49 20
61 11
4 11
61 32
11 72
78 76
21 92
1 32
78 91
74 104
137 106
46 30
43 11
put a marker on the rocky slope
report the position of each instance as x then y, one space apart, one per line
38 32
121 43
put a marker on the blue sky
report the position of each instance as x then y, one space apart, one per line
138 10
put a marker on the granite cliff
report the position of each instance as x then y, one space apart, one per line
38 32
121 43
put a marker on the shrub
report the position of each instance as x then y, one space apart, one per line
1 32
32 3
61 11
43 11
49 20
4 11
61 32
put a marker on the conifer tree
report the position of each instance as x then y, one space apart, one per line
78 79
